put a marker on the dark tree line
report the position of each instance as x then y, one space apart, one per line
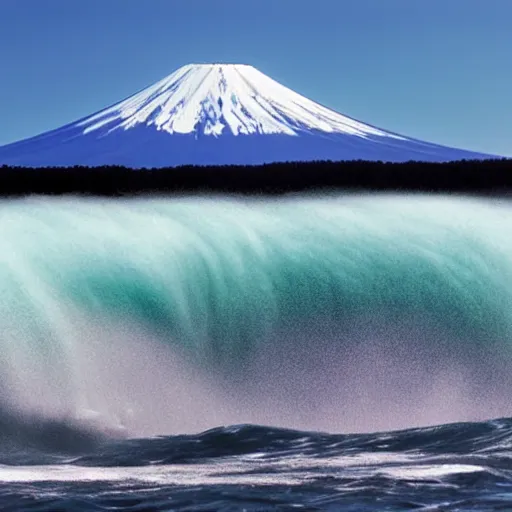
490 176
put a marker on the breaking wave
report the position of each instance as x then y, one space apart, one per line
153 316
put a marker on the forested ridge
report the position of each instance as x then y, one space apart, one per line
466 176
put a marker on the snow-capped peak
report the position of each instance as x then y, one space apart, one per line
218 114
215 99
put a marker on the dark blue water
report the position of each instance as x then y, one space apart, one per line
466 466
128 327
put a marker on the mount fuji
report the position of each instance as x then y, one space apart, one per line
218 114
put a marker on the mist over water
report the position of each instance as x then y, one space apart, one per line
341 313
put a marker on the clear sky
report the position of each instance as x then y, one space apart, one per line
438 70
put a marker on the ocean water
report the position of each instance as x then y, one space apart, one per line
334 352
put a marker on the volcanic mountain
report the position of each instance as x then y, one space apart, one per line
210 114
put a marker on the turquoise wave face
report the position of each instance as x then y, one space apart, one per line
220 275
221 279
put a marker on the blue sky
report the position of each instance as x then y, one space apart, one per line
438 70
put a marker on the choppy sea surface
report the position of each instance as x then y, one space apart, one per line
457 467
133 333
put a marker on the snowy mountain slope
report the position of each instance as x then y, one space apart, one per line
218 114
214 99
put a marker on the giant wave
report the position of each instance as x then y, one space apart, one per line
342 313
